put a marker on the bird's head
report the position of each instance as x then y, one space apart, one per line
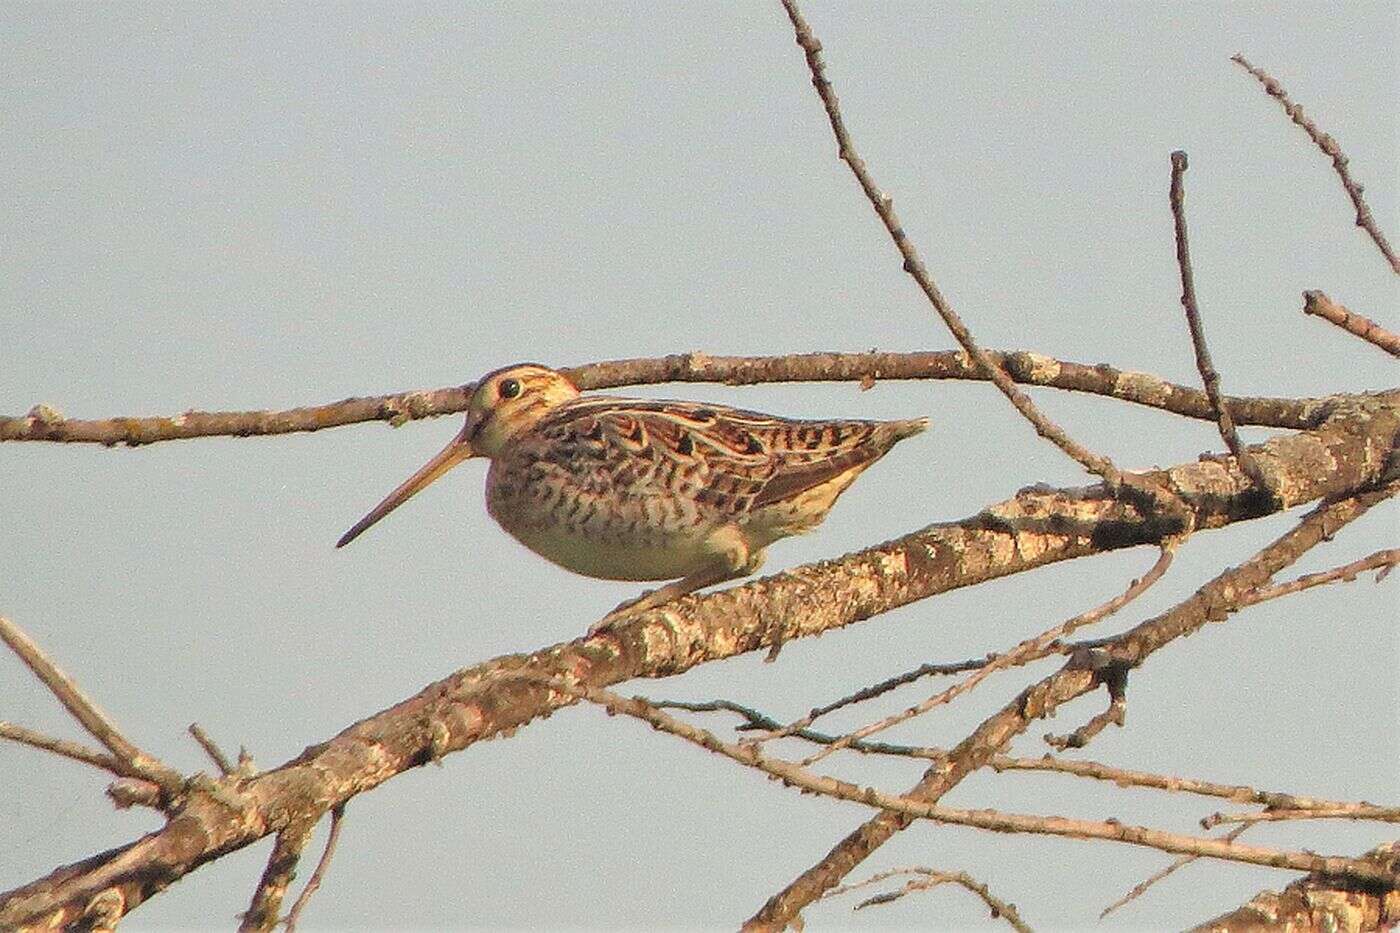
505 403
509 401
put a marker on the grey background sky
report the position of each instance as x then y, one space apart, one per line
248 206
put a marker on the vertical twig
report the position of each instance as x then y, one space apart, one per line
1209 376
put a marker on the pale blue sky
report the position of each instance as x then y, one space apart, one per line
255 205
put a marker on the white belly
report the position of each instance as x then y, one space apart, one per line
615 556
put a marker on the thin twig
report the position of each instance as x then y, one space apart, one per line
1329 147
1123 777
1029 650
313 884
1209 376
927 878
1380 560
875 690
753 719
136 762
45 424
1141 887
914 265
211 749
1350 811
73 750
995 820
1318 304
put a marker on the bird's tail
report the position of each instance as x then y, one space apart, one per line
902 429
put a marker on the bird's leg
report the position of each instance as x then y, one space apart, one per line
732 559
662 595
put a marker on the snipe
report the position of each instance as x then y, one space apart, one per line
628 489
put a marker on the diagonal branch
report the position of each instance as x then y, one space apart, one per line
1032 649
1364 219
133 761
914 264
1358 325
262 913
64 748
313 884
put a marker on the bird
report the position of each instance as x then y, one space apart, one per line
647 490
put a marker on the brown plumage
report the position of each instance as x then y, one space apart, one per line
629 489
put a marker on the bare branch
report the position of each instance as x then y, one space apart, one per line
914 265
927 878
1329 147
1029 650
1349 811
1318 304
1214 601
1209 376
1141 887
44 424
313 884
88 756
1380 560
211 749
1123 777
134 762
753 719
995 820
262 914
1115 714
883 687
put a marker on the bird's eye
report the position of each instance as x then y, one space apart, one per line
509 388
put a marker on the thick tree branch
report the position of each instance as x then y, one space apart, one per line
45 424
1318 903
313 884
1036 528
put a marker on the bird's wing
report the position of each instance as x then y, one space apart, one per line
729 460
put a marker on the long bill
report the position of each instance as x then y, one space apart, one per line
454 453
